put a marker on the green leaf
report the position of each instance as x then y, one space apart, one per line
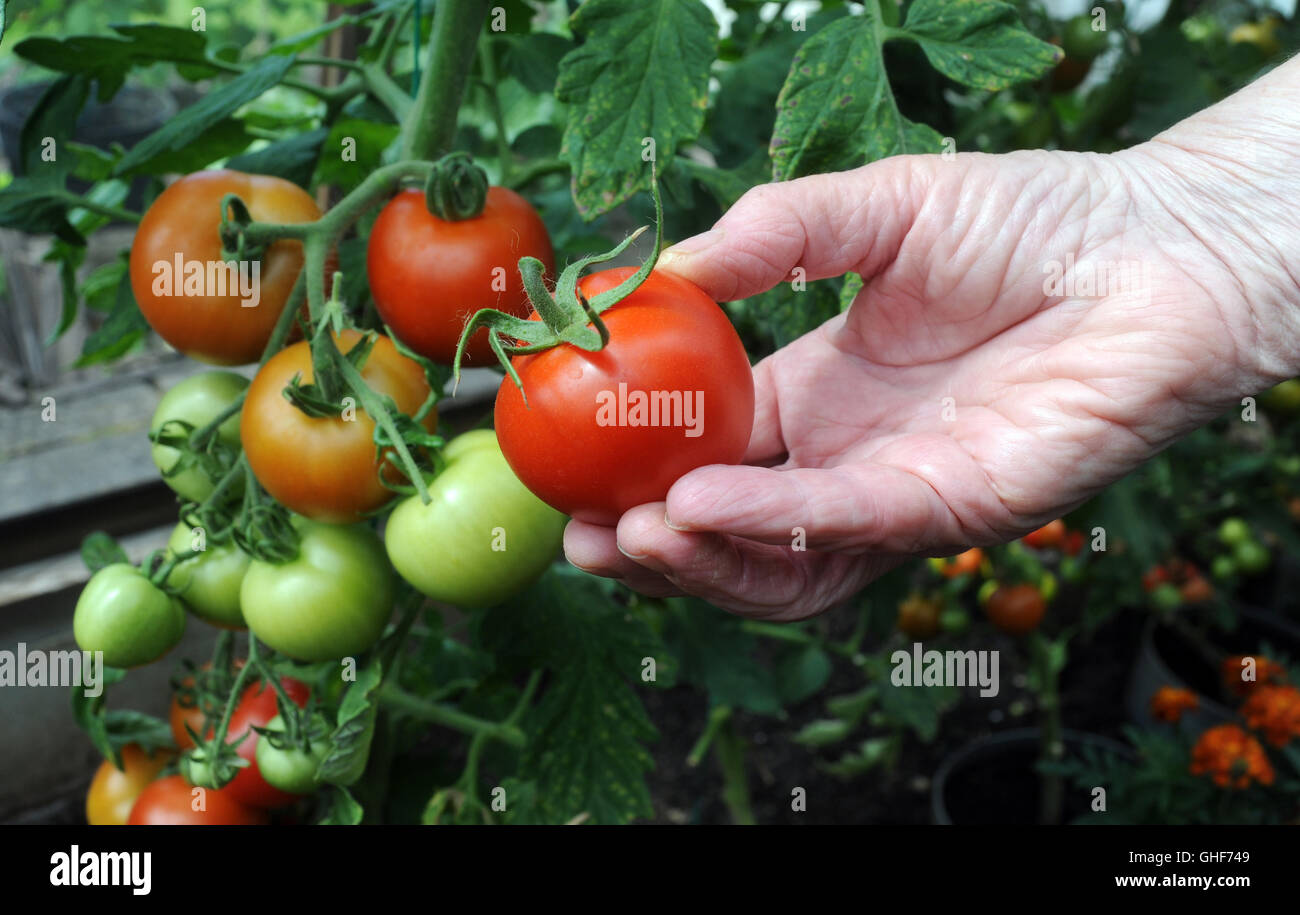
343 809
585 749
781 315
98 549
123 329
3 18
365 139
100 289
293 158
54 117
725 185
534 59
37 207
837 110
801 671
822 732
350 743
853 284
88 713
205 114
92 163
719 656
978 43
107 59
642 72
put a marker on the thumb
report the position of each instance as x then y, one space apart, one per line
827 224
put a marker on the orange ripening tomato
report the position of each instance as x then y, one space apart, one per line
1050 536
1016 609
113 791
325 467
967 563
181 228
429 275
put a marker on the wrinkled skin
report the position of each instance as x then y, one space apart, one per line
1054 397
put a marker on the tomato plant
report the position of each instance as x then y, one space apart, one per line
113 791
211 321
127 617
325 467
188 406
257 707
581 441
172 801
429 275
482 538
208 583
331 601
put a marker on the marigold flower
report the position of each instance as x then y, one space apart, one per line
1231 757
1266 672
1169 703
1275 712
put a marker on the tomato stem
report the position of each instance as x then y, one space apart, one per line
430 126
450 717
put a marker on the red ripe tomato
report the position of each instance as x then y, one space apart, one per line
256 707
576 447
429 276
184 223
325 467
1050 536
1016 609
171 801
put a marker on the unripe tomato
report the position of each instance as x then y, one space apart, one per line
1223 568
184 221
324 467
292 769
1251 557
209 583
1260 34
1016 609
918 617
1166 596
429 276
172 801
1234 531
113 791
482 538
331 601
197 401
1081 40
124 615
258 706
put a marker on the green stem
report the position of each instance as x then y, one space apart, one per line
498 117
431 126
199 437
717 718
385 88
104 209
532 171
735 786
1051 787
328 62
779 631
450 717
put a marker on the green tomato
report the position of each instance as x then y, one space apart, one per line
331 601
1251 557
954 620
1081 40
291 768
209 583
1234 531
197 400
1223 568
482 538
1284 397
124 615
1166 597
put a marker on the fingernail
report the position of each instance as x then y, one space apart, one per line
635 557
669 523
693 245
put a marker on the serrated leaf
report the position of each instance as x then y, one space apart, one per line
350 743
343 809
123 329
99 549
534 59
205 114
293 158
719 656
642 72
978 43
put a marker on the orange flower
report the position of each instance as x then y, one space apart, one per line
1266 672
1169 703
1275 711
1231 757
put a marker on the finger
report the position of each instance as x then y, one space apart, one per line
865 507
594 549
828 224
766 442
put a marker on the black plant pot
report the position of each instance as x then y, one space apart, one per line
130 116
1166 657
993 780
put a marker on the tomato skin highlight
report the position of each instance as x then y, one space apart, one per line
293 769
197 400
429 276
668 336
113 792
124 615
332 601
324 468
170 801
449 549
185 220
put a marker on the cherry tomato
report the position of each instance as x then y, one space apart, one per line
197 401
113 791
124 615
209 583
184 223
331 601
325 467
1196 589
172 801
965 563
1016 609
429 276
482 538
1050 536
1081 40
918 617
575 444
257 707
293 768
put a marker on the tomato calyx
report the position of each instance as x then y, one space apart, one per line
567 316
456 188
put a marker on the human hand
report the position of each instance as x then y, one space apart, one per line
961 400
